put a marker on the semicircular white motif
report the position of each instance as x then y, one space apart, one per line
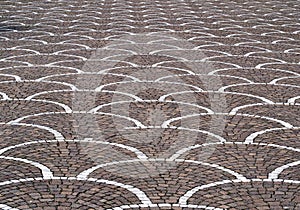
162 45
46 172
181 104
137 192
85 174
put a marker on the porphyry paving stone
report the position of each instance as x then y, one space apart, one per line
167 104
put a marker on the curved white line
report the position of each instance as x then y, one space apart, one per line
226 63
85 73
275 173
45 66
233 93
293 100
250 139
126 82
135 121
18 120
60 91
163 67
164 205
137 192
136 98
180 75
56 134
46 172
51 82
64 106
45 92
5 96
17 78
51 54
167 122
184 150
247 84
237 175
184 199
73 87
265 69
275 146
259 66
150 101
274 81
86 173
138 153
292 50
220 138
236 109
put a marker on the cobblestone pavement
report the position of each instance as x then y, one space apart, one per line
139 104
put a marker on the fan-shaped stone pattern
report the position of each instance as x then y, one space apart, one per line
88 43
63 97
83 53
284 57
65 194
71 63
256 195
209 83
152 113
232 128
244 62
236 42
256 75
7 54
291 173
153 73
16 35
163 181
157 143
17 43
16 89
143 60
284 137
234 50
69 98
14 170
61 122
265 39
56 39
216 101
275 46
286 113
32 73
42 59
12 110
231 41
67 158
89 81
12 135
4 78
275 93
52 48
284 66
252 161
290 81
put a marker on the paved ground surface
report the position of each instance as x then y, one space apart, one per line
161 104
